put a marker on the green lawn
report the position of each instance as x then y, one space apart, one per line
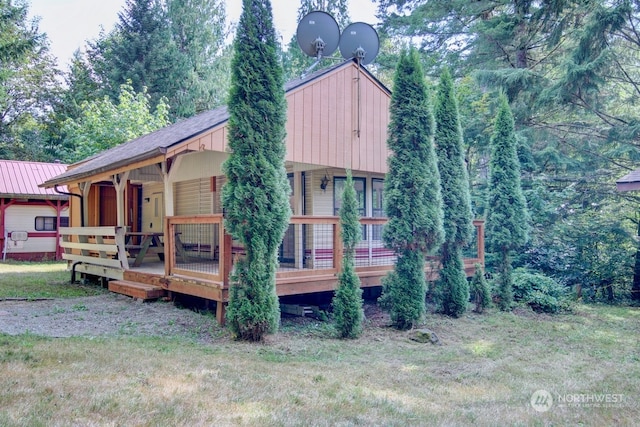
484 372
40 280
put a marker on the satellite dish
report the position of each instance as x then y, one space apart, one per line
360 41
318 34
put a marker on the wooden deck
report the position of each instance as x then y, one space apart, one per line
200 262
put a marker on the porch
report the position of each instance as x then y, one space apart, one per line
197 256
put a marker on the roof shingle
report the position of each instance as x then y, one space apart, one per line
156 143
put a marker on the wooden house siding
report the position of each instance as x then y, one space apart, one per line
337 121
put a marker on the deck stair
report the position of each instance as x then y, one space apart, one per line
137 290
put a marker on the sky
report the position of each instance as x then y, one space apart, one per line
69 23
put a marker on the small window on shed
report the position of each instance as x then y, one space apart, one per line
49 223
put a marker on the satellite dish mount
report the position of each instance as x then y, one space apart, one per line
318 36
360 42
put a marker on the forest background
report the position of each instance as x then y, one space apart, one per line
570 70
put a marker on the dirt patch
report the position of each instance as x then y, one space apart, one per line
101 315
113 314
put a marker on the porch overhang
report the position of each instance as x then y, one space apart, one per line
104 172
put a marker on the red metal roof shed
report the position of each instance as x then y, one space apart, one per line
19 179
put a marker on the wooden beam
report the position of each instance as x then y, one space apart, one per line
106 176
120 184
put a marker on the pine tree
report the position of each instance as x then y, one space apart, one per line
141 49
29 85
199 31
255 197
507 217
347 302
452 288
173 48
413 200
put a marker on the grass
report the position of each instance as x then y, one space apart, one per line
484 373
40 280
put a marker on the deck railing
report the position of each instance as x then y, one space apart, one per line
194 246
197 246
95 250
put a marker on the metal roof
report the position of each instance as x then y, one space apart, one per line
157 143
22 180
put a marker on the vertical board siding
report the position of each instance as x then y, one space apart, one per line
322 122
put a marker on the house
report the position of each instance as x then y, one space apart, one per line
148 212
629 182
30 216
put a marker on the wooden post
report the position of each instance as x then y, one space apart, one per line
120 184
85 190
120 244
169 246
226 260
338 250
480 240
221 310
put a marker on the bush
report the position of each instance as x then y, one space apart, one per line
347 302
480 292
540 292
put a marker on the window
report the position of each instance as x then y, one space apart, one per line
338 186
377 188
48 223
360 185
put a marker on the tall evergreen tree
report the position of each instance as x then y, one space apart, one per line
143 52
413 201
347 302
507 216
256 196
453 288
199 30
28 84
173 48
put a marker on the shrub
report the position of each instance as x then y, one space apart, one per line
480 291
540 292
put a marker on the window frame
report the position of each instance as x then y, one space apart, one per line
49 223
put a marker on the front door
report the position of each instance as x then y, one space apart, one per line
153 216
108 210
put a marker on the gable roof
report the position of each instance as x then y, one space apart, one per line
20 179
157 143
